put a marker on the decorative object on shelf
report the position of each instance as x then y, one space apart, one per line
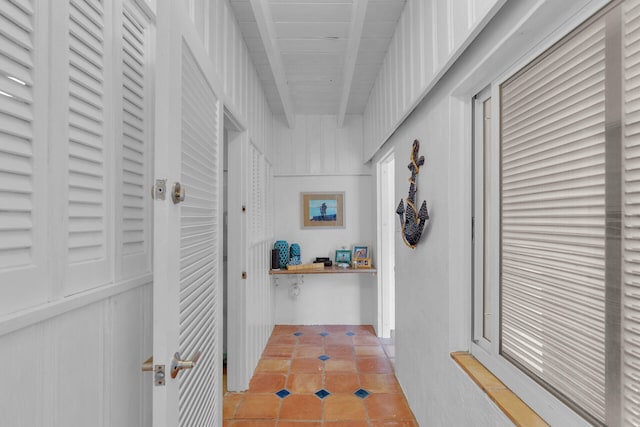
360 252
294 254
412 220
326 260
283 248
322 210
275 259
343 257
304 267
362 263
361 257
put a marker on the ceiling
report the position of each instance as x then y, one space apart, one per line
317 56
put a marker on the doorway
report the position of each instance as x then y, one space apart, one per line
233 312
386 245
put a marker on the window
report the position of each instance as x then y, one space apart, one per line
557 222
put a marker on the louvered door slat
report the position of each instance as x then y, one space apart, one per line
199 246
631 215
17 27
87 207
22 169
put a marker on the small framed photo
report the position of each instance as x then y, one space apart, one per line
360 252
322 210
343 256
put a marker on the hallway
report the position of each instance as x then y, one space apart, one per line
313 376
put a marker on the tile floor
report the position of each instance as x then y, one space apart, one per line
322 376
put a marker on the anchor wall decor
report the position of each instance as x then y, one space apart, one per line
412 220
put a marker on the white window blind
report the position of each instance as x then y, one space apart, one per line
553 220
631 211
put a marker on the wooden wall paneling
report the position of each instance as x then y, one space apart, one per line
199 17
427 45
300 159
329 145
386 86
426 39
80 367
229 48
313 139
403 61
460 17
127 344
24 391
349 138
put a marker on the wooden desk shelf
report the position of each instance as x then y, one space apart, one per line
327 270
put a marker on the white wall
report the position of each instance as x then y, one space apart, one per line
75 269
316 156
433 282
80 364
429 37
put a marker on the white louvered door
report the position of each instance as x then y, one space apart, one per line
187 235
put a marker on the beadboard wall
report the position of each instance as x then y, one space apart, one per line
429 37
317 156
73 337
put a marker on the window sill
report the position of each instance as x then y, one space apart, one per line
507 401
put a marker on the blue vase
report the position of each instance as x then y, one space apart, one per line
294 250
283 249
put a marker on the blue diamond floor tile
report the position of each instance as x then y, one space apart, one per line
283 393
350 333
324 334
324 357
361 393
322 393
297 334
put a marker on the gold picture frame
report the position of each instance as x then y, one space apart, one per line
322 210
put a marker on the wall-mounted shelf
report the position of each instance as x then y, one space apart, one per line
327 270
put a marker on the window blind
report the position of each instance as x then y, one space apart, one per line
553 220
631 215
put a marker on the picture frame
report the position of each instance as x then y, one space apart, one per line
360 252
343 256
322 210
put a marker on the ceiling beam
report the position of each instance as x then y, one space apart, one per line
264 22
355 34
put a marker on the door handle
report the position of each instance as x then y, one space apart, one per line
158 370
177 364
177 193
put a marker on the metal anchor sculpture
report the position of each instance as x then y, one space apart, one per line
413 221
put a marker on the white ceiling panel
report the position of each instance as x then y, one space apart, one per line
311 38
310 12
381 10
304 46
312 30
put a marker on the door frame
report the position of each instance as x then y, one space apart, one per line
238 371
386 242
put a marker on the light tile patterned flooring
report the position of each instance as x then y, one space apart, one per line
321 376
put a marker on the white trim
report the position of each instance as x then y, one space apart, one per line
25 318
302 174
358 13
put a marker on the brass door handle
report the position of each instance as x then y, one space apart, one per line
177 364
